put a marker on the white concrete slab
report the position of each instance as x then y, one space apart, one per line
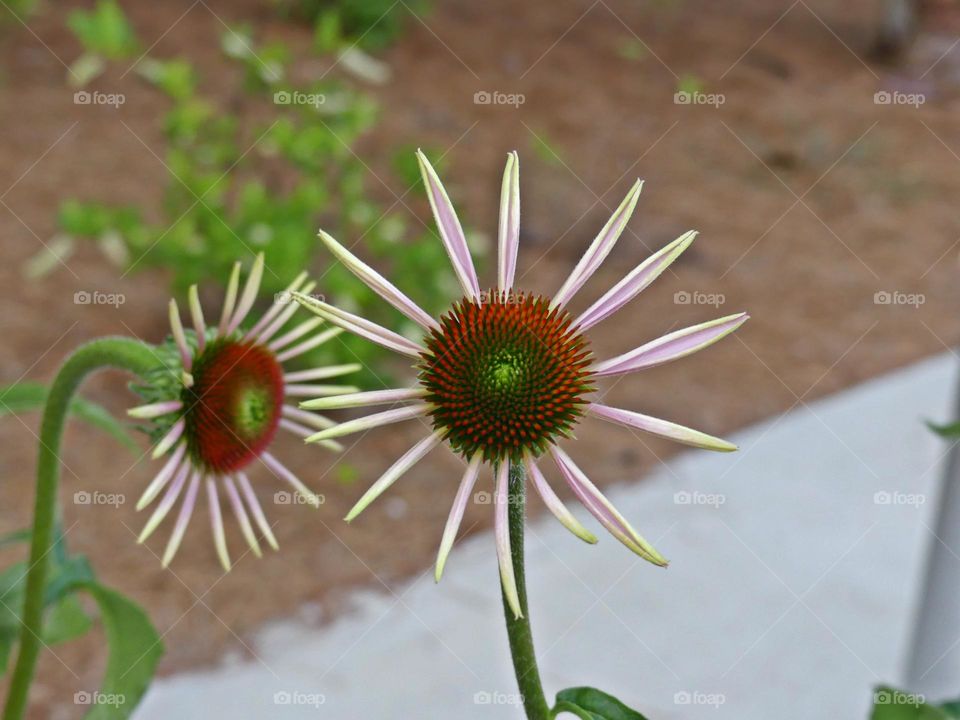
794 576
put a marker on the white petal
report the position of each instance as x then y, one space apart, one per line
450 230
663 428
230 300
635 282
155 410
170 439
281 470
186 511
162 477
318 390
360 326
554 504
298 332
249 295
176 327
369 422
280 301
307 345
216 524
599 248
322 373
364 399
242 516
379 284
456 513
302 431
256 509
676 345
173 492
406 461
501 531
283 317
508 241
320 422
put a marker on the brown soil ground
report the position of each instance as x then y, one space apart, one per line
810 198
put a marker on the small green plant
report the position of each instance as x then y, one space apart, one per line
105 35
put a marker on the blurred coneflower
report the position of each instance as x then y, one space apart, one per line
220 410
503 375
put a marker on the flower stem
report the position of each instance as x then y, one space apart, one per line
518 629
124 353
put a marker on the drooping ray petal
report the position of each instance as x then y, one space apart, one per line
360 326
603 510
364 399
162 477
216 524
249 295
307 345
196 315
170 439
318 390
450 230
663 428
176 328
676 345
298 332
635 282
283 317
229 300
406 461
242 516
169 499
599 248
379 284
186 511
305 432
386 417
281 470
553 503
154 410
456 513
280 301
322 372
251 497
501 531
321 422
508 240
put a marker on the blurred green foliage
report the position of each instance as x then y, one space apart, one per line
371 24
264 177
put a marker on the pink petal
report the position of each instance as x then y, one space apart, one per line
509 235
308 345
554 504
186 511
280 301
501 532
450 230
364 399
249 295
663 428
196 314
379 284
162 477
456 513
599 248
360 326
638 279
176 328
216 524
603 510
671 347
229 300
251 497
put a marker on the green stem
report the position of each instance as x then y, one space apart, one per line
518 629
124 353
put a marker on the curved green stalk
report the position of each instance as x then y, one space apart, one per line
518 629
123 353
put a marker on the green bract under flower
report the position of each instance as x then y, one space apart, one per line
504 375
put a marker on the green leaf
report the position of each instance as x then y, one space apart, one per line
951 431
32 395
135 649
892 704
66 620
591 704
104 30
